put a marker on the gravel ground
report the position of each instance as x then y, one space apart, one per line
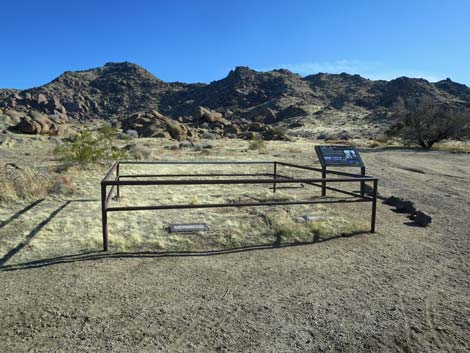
405 289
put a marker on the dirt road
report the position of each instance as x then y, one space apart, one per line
405 289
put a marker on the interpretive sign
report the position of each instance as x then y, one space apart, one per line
338 156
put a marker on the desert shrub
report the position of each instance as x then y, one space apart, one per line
279 130
423 122
62 185
31 183
89 148
286 229
139 151
257 143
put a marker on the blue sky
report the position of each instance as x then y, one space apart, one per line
200 41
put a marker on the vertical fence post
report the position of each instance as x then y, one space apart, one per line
363 183
374 208
104 217
275 176
323 183
118 195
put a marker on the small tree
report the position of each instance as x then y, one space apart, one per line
89 148
423 122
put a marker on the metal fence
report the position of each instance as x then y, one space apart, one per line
275 178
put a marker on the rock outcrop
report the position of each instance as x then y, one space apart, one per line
38 123
118 90
154 124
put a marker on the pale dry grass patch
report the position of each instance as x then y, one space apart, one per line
24 184
452 146
77 228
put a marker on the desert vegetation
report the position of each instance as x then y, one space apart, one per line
423 122
32 182
90 147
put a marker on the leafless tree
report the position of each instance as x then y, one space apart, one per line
424 122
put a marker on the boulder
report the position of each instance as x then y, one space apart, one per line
28 126
248 135
163 134
154 124
41 99
208 135
422 219
257 127
5 120
42 120
177 130
15 115
405 207
38 123
391 201
210 116
231 129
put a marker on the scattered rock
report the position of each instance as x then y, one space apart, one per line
139 151
392 201
256 127
405 207
422 219
132 133
185 144
208 135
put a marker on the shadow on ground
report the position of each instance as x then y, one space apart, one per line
100 255
36 229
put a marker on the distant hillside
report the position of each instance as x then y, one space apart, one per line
117 90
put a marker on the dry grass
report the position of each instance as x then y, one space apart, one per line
453 146
257 144
77 227
32 183
24 184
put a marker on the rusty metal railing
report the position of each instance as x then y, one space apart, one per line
273 179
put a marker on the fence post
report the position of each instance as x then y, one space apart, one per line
104 217
374 208
323 183
275 176
363 183
118 195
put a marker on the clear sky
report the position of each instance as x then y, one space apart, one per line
200 41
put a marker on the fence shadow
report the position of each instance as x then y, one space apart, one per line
101 255
20 213
36 229
32 234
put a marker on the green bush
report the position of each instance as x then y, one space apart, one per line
91 148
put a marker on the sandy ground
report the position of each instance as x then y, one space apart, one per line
404 289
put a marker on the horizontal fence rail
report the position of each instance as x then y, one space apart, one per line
261 178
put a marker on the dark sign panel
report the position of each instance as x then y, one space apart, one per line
338 156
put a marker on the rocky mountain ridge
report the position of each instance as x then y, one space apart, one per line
117 90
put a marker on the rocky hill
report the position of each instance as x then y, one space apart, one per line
118 90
